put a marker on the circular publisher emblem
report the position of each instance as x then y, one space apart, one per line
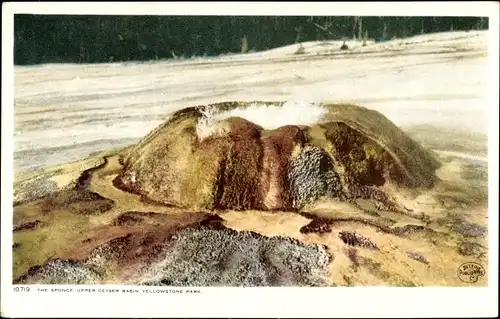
470 272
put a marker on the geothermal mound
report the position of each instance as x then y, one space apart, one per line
355 201
211 157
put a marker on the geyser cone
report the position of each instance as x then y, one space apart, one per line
223 156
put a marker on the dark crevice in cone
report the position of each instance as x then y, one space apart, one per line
220 183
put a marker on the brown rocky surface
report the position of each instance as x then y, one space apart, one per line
244 205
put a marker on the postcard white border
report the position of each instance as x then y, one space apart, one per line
252 302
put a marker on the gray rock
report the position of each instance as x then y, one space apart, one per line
417 256
468 229
34 189
209 257
312 176
61 272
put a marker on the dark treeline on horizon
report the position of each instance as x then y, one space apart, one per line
96 39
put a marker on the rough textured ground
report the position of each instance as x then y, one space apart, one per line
114 240
91 231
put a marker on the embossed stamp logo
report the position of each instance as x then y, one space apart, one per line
470 272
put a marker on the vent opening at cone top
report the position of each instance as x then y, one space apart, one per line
214 157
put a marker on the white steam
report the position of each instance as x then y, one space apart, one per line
268 116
